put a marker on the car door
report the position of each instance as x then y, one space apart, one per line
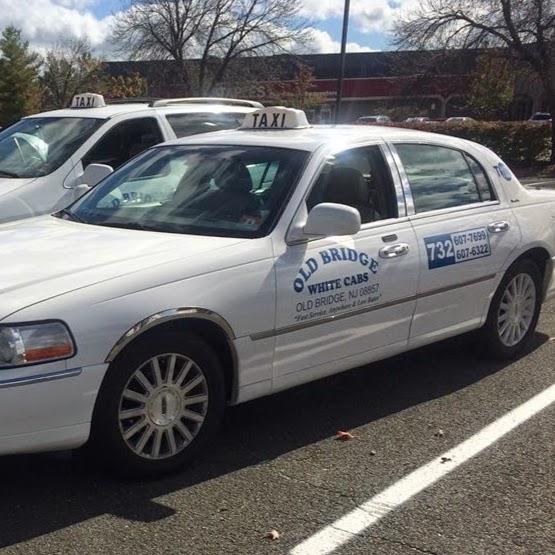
349 299
465 235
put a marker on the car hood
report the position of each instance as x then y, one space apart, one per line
9 184
45 257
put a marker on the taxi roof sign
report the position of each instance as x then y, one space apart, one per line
275 117
88 100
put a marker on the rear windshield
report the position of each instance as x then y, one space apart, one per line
184 125
33 147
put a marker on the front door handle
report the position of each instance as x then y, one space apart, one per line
391 251
498 227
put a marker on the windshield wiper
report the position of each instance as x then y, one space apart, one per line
4 173
70 215
150 226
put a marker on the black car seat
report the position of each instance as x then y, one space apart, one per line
345 185
231 199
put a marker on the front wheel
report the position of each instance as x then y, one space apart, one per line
161 402
514 311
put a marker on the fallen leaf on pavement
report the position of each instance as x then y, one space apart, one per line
272 534
344 436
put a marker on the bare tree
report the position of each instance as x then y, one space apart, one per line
68 69
526 28
204 37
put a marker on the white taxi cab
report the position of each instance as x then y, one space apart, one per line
47 160
215 269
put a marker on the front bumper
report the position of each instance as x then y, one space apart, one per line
44 408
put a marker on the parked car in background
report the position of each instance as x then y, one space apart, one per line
373 119
47 159
459 119
215 269
417 119
540 117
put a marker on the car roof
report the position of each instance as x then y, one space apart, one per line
112 110
313 137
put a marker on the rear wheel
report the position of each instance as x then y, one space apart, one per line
514 311
161 402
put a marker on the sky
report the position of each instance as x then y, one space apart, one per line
44 22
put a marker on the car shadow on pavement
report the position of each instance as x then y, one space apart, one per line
44 493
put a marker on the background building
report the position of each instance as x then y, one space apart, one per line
399 84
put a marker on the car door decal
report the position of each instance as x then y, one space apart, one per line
351 285
456 247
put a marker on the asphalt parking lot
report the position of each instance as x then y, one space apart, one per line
279 466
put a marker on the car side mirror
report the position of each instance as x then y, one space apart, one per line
328 219
80 190
94 173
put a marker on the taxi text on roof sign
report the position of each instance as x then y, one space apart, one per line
276 117
88 100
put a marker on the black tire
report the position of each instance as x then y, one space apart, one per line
165 423
522 279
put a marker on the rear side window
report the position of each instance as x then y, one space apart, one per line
442 177
192 124
484 186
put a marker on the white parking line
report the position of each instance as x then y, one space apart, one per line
347 527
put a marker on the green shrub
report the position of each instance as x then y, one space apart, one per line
514 141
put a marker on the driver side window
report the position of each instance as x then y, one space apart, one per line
123 141
359 178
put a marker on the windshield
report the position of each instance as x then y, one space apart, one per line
33 147
229 191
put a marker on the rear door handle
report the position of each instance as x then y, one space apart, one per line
391 251
498 227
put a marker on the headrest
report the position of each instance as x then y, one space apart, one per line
235 177
346 186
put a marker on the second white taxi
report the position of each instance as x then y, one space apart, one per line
49 160
215 269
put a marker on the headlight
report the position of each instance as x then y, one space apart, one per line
33 343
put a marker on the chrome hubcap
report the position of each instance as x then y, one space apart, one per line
163 406
516 310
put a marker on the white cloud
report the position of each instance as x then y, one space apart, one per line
44 22
79 4
365 16
324 44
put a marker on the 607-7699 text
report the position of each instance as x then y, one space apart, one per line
460 246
